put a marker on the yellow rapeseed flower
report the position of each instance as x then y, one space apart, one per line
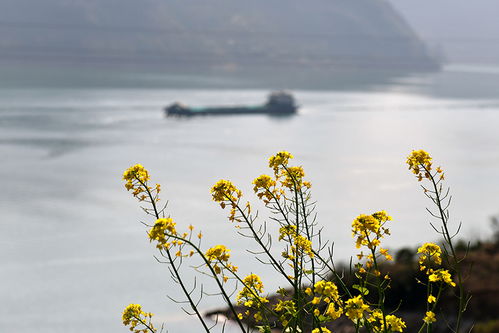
430 254
263 182
442 275
287 309
287 231
303 246
327 289
369 229
332 312
278 160
420 163
253 281
430 317
293 177
394 323
418 159
376 320
355 308
218 252
224 191
134 317
384 252
136 178
159 232
136 172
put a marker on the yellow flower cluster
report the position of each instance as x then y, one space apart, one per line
252 282
293 177
250 297
263 182
134 317
135 173
327 291
288 310
355 308
287 231
321 330
393 323
290 177
219 254
136 178
299 244
303 245
265 188
369 229
225 193
430 317
441 275
323 299
430 254
420 163
160 232
279 160
384 252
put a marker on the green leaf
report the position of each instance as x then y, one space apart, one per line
323 318
363 290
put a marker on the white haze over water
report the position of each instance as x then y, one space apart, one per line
74 252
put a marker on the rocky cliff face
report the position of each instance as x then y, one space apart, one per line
227 34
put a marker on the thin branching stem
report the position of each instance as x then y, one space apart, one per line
448 239
174 268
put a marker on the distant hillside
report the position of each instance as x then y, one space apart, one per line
324 34
463 31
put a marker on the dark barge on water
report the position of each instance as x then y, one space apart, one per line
278 103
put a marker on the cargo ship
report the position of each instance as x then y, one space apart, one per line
278 103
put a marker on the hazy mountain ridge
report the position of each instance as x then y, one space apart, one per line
463 31
221 33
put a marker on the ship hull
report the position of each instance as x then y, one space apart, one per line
233 110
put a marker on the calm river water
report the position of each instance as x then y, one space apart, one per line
73 250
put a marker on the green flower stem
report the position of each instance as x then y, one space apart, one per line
174 268
298 296
257 297
428 305
379 286
214 275
448 240
143 322
275 263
